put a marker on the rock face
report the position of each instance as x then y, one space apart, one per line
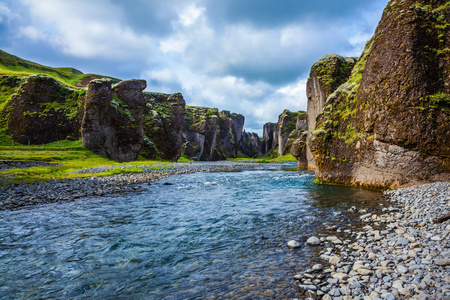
298 140
282 132
389 123
163 122
210 135
43 110
228 133
267 140
112 124
249 144
326 75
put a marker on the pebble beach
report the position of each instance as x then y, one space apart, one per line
403 252
17 196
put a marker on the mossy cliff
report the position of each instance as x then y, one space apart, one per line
285 136
326 75
163 121
388 124
112 124
42 110
211 135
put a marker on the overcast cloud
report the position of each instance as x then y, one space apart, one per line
248 56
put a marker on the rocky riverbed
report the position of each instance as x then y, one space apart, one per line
20 195
403 252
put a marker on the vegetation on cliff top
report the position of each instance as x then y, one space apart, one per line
11 65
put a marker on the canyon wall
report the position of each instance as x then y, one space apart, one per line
388 124
326 75
112 123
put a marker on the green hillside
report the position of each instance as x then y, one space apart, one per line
12 65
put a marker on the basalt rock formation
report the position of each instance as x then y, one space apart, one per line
288 135
210 135
163 122
112 124
326 75
297 140
42 110
388 124
249 144
266 146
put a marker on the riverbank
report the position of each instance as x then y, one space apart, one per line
16 196
402 253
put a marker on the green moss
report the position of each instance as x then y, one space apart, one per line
122 108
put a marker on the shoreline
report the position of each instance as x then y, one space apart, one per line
402 253
22 195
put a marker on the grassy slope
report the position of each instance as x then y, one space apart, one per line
11 65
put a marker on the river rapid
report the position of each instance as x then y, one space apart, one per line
207 235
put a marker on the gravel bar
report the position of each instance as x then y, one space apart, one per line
17 196
402 253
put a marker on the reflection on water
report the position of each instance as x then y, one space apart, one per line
208 235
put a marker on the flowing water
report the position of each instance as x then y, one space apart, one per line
216 235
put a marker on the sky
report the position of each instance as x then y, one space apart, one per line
248 56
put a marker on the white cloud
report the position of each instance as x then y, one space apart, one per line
5 13
32 33
191 14
86 29
228 66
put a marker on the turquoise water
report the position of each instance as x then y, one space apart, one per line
195 236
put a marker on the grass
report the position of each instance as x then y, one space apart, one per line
69 155
11 65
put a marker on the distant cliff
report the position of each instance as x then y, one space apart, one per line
285 136
388 124
113 118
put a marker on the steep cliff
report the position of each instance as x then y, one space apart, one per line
112 123
297 140
326 75
163 121
389 123
266 146
211 135
42 110
249 144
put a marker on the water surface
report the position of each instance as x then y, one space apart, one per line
193 236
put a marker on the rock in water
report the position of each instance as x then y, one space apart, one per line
112 124
314 241
293 244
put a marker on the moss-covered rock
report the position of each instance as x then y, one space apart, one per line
326 75
112 124
163 121
42 110
389 123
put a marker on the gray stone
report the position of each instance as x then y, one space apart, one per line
293 244
313 241
401 269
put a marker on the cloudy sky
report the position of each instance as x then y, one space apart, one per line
248 56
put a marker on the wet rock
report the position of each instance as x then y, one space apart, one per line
313 241
293 244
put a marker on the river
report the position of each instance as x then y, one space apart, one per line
210 235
